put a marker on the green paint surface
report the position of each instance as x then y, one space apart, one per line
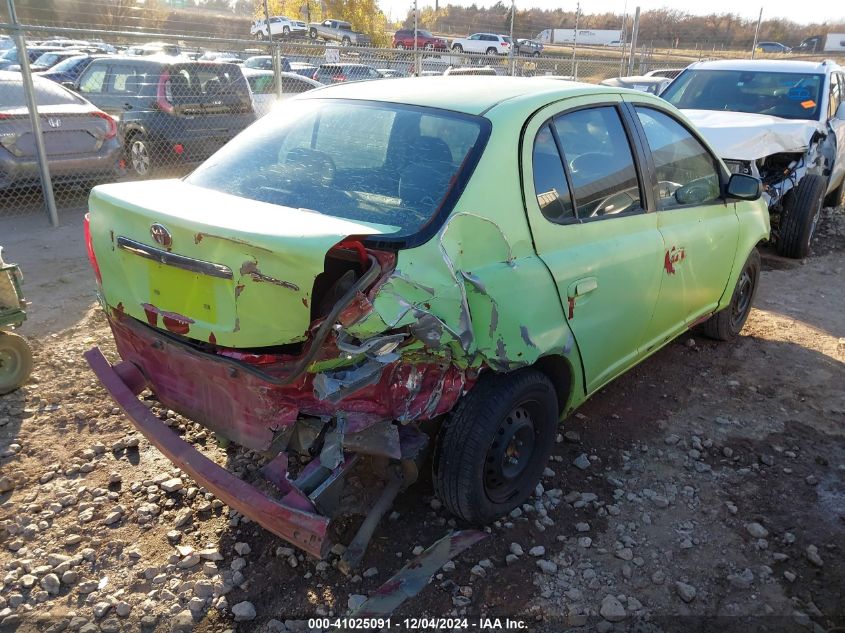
492 287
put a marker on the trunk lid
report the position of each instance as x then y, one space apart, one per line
211 266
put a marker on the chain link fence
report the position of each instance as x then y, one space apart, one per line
117 106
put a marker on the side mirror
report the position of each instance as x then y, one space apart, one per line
744 187
840 112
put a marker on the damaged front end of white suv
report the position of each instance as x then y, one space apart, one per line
793 159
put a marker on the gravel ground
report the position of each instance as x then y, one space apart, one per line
708 481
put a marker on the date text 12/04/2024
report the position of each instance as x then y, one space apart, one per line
389 624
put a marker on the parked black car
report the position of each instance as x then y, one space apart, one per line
171 111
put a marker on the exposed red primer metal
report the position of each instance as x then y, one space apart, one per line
212 339
305 301
173 322
673 256
571 307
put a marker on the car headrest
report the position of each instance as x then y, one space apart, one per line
309 166
430 149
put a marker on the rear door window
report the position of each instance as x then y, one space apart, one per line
124 80
550 180
93 80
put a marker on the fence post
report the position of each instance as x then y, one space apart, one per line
32 106
277 69
635 30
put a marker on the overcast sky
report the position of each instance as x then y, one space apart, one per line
802 12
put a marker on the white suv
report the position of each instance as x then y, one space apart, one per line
487 43
279 25
782 121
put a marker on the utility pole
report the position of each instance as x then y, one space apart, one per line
417 60
624 37
635 29
757 34
573 71
34 118
513 42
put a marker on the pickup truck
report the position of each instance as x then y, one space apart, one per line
338 31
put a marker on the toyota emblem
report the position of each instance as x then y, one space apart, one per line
161 235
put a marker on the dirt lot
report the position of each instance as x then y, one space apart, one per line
714 487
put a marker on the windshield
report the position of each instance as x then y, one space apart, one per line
784 95
382 163
48 59
68 64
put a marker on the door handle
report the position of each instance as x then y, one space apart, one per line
582 286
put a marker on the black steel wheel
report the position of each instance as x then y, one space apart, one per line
493 447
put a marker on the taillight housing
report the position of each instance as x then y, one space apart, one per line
340 77
111 132
163 94
89 246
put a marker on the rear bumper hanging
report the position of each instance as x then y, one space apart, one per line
306 530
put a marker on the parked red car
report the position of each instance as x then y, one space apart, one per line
404 38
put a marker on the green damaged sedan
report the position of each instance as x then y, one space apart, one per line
383 270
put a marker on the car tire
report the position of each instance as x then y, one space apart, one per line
139 156
834 198
800 216
400 46
428 47
15 361
535 54
491 51
727 324
286 31
478 472
458 48
345 41
312 34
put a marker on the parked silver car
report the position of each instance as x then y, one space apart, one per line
81 140
262 86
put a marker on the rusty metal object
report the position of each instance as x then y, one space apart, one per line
414 577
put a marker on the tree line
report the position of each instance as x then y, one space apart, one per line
670 28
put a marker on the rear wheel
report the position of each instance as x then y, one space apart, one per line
800 217
139 157
491 51
727 323
493 447
312 34
285 31
15 361
345 41
400 46
535 54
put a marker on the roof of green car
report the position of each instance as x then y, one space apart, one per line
467 93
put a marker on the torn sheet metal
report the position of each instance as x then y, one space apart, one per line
745 136
415 576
